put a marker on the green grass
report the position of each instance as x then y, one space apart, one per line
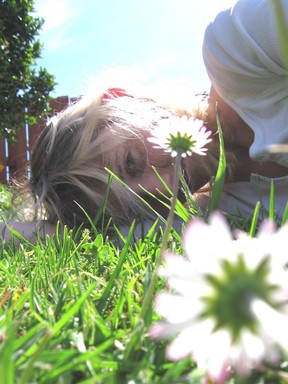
69 313
69 310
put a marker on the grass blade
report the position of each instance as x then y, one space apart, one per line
117 270
220 175
272 201
253 226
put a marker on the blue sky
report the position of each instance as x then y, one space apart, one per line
162 38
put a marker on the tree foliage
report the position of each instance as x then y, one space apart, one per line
24 88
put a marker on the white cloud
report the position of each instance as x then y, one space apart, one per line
55 12
56 31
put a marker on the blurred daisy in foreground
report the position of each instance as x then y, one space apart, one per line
226 303
181 135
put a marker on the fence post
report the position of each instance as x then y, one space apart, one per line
17 155
2 161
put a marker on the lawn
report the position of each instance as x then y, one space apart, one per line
70 311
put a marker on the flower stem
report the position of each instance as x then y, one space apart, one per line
150 291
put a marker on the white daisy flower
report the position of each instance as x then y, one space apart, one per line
181 135
226 302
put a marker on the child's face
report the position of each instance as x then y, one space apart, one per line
236 132
133 162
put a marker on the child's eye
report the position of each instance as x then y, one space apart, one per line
130 165
133 166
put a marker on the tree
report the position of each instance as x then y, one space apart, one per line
24 89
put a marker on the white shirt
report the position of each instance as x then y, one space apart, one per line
244 59
239 199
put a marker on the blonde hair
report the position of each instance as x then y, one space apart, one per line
67 175
68 179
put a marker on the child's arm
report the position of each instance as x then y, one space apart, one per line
29 230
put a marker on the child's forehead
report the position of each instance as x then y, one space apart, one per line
115 139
